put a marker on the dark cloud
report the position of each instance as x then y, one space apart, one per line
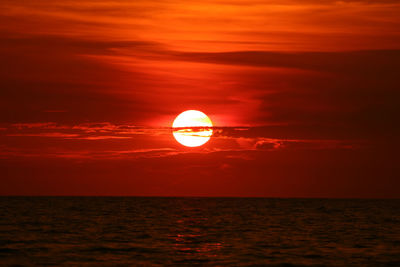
41 73
347 93
341 94
360 63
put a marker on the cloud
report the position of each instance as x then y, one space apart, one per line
96 141
348 62
148 82
55 134
89 131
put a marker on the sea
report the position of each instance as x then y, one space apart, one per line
190 231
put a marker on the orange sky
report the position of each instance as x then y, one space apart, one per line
304 95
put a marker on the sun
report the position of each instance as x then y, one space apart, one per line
192 128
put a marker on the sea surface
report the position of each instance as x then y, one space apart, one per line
147 231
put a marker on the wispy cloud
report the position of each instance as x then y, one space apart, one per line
54 134
96 141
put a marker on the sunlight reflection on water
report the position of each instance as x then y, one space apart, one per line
208 231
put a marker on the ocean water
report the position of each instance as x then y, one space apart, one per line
140 231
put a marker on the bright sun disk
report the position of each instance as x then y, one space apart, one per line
190 132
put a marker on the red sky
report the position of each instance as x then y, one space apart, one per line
304 96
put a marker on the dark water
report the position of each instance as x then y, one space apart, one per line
199 231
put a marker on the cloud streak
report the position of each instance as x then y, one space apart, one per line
97 141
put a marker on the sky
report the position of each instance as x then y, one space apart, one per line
304 97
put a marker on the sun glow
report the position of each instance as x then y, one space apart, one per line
192 128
